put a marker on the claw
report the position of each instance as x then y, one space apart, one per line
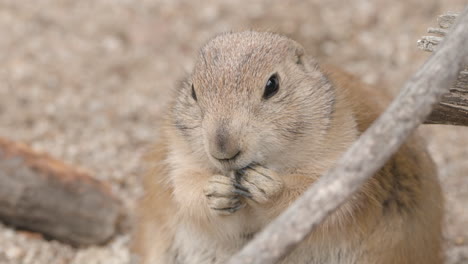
232 209
243 193
238 207
238 175
241 187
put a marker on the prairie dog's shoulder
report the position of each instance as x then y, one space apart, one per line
366 101
156 207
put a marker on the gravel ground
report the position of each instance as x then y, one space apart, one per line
86 81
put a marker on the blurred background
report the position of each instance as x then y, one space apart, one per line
87 82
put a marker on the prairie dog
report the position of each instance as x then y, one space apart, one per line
255 124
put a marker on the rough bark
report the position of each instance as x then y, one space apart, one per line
44 195
366 155
453 107
429 43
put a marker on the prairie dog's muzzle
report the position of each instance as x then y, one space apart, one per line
223 143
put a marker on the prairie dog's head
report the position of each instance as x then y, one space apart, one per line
254 98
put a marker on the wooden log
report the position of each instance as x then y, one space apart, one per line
41 194
453 108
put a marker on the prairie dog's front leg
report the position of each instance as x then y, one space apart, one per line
261 183
202 194
224 195
255 183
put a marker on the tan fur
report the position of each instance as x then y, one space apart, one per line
199 208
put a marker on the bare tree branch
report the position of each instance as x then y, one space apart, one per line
366 155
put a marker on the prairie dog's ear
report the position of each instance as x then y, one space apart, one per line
298 51
301 58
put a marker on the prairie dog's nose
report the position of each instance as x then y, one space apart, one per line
223 145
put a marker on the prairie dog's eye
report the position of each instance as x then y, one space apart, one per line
271 87
194 95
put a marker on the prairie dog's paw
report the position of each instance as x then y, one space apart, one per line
223 197
262 183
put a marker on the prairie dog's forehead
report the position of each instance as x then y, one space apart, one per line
235 47
240 56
